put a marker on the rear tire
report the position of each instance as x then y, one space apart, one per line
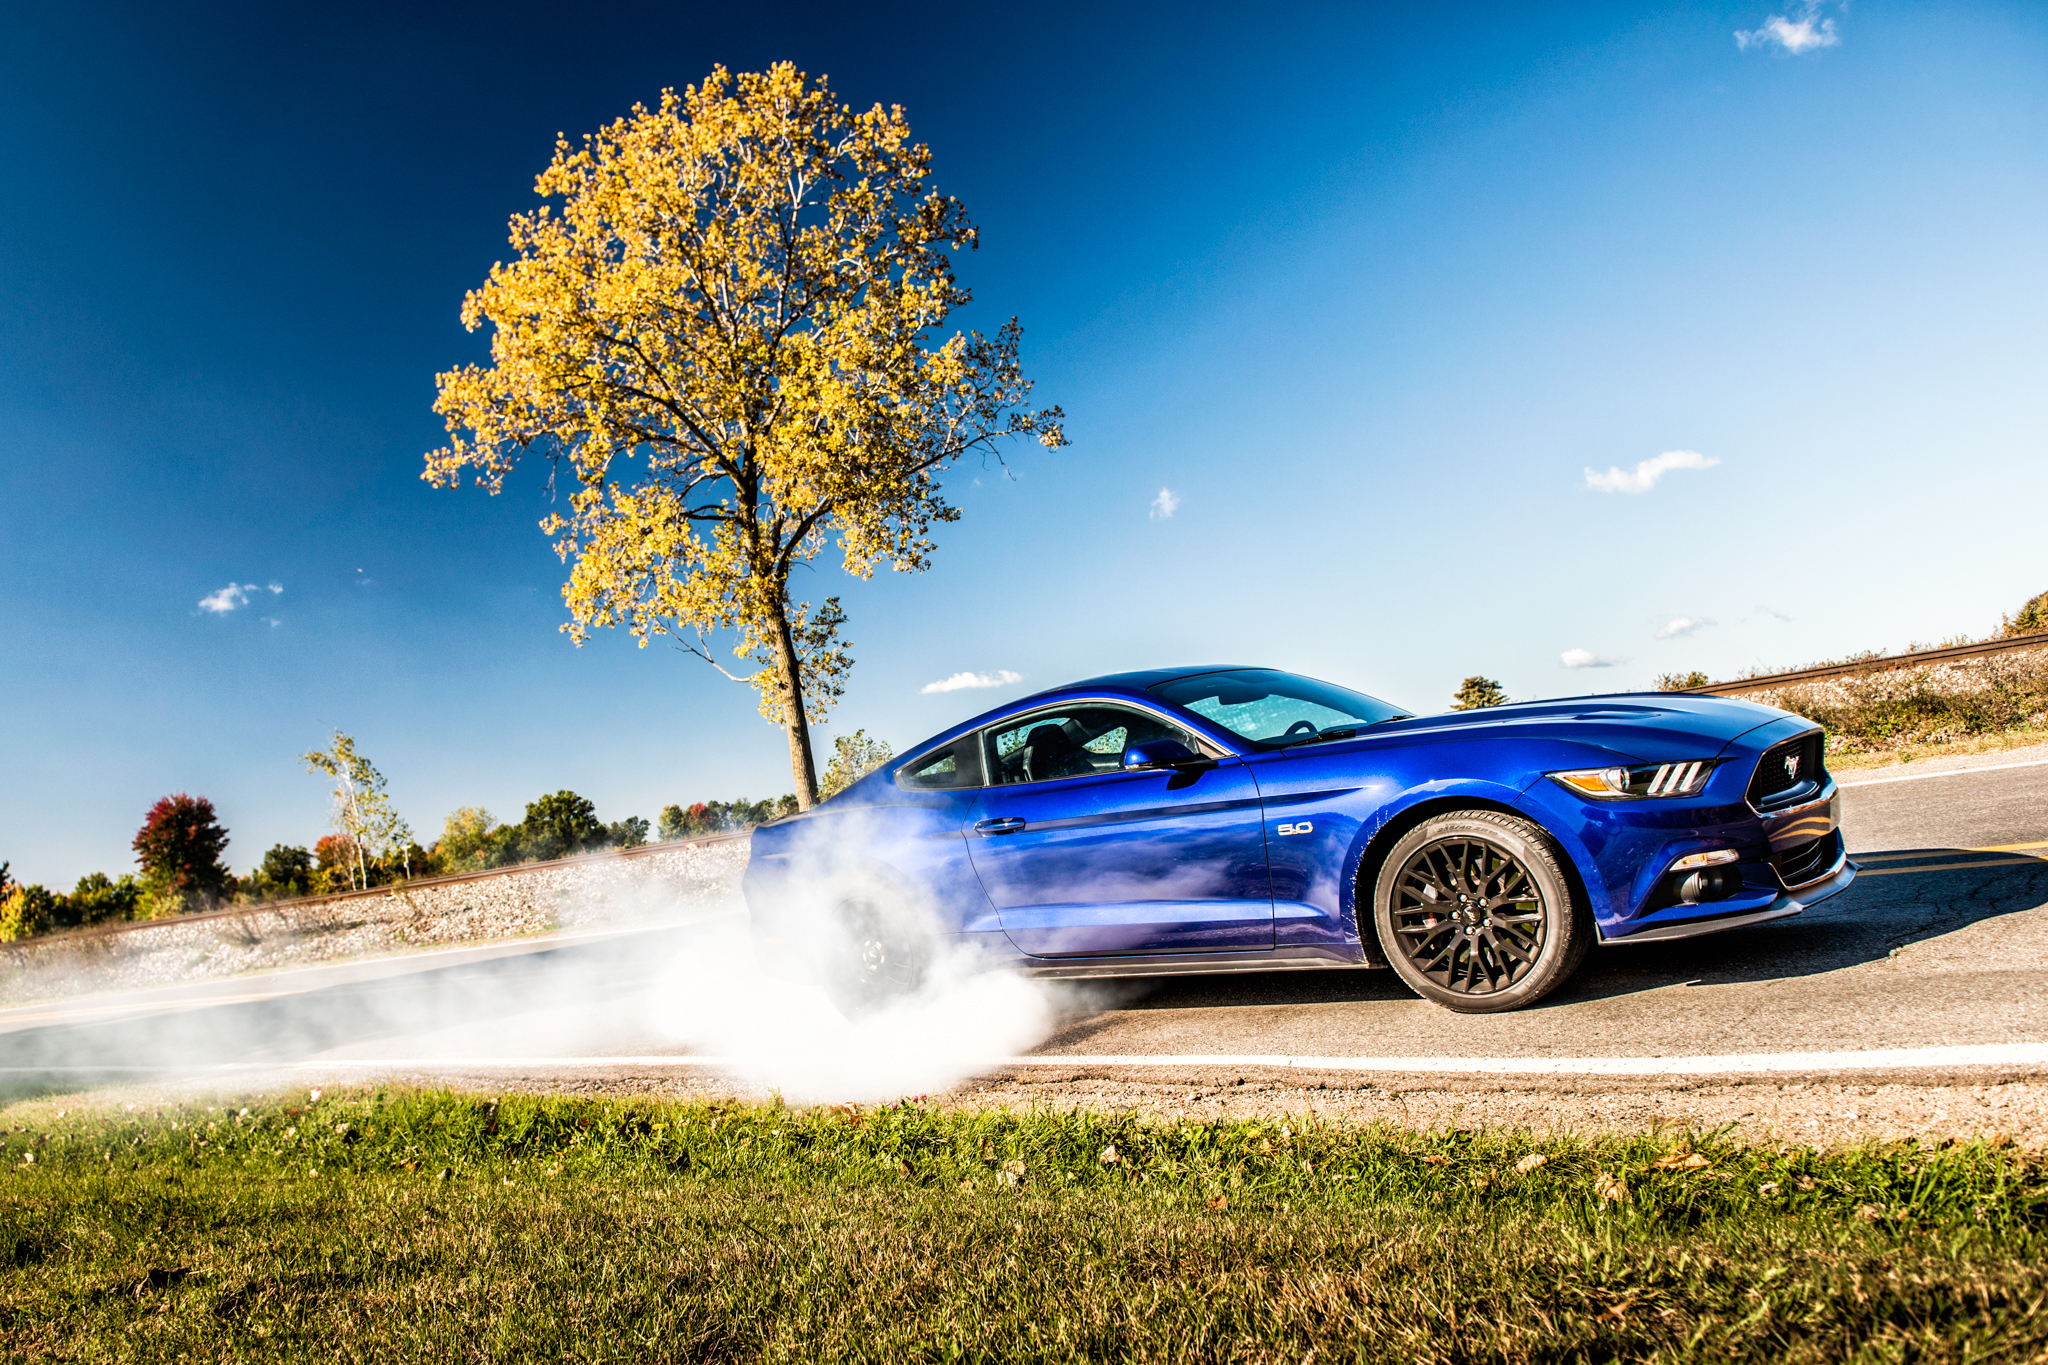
881 952
1475 913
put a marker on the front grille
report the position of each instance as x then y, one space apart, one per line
1805 863
1784 767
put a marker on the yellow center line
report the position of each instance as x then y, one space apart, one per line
1949 867
1943 852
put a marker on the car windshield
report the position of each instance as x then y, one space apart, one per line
1267 706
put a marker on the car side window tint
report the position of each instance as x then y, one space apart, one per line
1079 742
956 765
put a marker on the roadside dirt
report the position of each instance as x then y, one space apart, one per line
1976 752
1811 1111
1817 1111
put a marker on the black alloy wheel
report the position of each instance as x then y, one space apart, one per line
882 954
1475 913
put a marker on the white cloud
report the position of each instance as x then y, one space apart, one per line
1682 625
1645 475
1002 677
232 596
1586 658
1165 505
1773 611
1803 34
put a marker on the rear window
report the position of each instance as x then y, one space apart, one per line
956 765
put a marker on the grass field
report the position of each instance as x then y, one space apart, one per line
428 1226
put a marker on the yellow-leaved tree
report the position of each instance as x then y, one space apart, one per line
724 324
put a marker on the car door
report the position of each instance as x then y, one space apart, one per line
1081 856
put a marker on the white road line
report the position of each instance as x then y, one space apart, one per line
1875 1059
1951 772
1731 1063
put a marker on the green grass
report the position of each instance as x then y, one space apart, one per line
416 1226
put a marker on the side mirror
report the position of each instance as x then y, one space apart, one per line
1165 753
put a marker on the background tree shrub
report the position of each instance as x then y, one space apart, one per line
362 807
179 847
559 826
854 757
630 832
26 911
468 841
334 864
1476 692
286 870
722 817
98 899
414 861
2031 618
678 822
1681 682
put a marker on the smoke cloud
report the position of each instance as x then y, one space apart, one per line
659 976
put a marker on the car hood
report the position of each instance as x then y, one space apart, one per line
1651 727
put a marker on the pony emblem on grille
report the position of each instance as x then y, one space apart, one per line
1791 767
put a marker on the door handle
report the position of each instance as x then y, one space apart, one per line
1008 824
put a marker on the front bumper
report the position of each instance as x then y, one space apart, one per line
1833 883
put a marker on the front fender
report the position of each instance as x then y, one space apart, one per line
1359 793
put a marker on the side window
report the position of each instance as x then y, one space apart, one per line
1074 743
956 765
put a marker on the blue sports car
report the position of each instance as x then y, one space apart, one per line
1245 819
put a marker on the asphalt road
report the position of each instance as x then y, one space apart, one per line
1938 944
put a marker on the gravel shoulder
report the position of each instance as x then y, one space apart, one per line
1982 751
1817 1111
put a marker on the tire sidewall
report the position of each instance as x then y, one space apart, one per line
1566 933
863 906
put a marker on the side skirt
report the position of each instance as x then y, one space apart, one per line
1207 964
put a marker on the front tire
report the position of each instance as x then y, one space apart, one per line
1475 913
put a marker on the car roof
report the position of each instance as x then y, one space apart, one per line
1144 678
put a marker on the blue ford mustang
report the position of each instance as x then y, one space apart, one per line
1228 819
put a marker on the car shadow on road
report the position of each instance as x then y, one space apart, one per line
1901 898
1877 916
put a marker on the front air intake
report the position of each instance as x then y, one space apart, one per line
1788 771
1805 864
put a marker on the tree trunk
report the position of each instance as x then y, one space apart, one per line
801 764
358 874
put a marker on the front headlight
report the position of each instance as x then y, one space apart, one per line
1639 783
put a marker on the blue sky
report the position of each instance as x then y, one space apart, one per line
1395 302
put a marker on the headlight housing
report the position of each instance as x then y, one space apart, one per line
1642 782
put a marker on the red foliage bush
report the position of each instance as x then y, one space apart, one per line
179 846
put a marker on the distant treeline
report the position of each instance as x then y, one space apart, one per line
181 843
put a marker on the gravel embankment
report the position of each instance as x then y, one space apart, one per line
650 886
1953 701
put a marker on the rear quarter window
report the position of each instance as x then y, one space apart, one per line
956 765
